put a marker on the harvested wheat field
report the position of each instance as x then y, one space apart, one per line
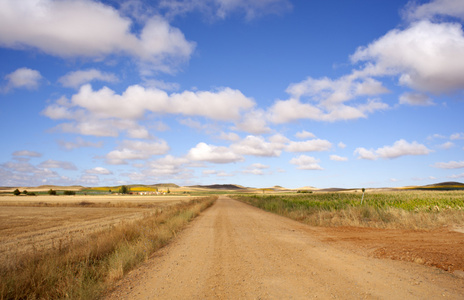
39 223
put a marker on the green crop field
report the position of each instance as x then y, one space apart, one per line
423 209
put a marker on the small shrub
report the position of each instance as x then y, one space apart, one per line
24 192
16 192
69 193
31 194
51 192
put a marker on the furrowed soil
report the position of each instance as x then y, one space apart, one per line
29 224
236 251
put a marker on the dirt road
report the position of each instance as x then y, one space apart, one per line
235 251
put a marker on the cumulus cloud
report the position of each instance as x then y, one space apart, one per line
164 168
329 99
79 143
89 179
254 122
428 57
99 171
24 173
284 111
213 154
231 136
338 158
27 153
257 146
136 150
77 78
446 146
398 149
416 99
449 165
304 162
23 78
309 146
425 56
304 134
457 136
105 113
456 176
255 169
56 164
56 28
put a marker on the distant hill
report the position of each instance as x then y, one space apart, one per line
220 187
447 183
443 186
171 185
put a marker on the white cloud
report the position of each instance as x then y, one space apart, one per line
168 167
134 150
338 158
305 162
56 164
213 154
57 28
89 179
23 78
309 146
106 113
435 8
427 57
225 104
99 171
341 145
398 149
401 148
449 165
255 169
436 136
416 99
456 176
254 122
363 153
27 153
284 111
231 136
77 78
457 136
304 134
257 146
446 146
79 143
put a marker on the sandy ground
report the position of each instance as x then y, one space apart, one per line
235 251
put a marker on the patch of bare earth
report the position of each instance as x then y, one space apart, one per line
236 251
441 248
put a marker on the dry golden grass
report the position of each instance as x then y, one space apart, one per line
84 268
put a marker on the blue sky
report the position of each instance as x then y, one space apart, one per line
351 93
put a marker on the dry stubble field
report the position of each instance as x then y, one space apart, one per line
29 224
